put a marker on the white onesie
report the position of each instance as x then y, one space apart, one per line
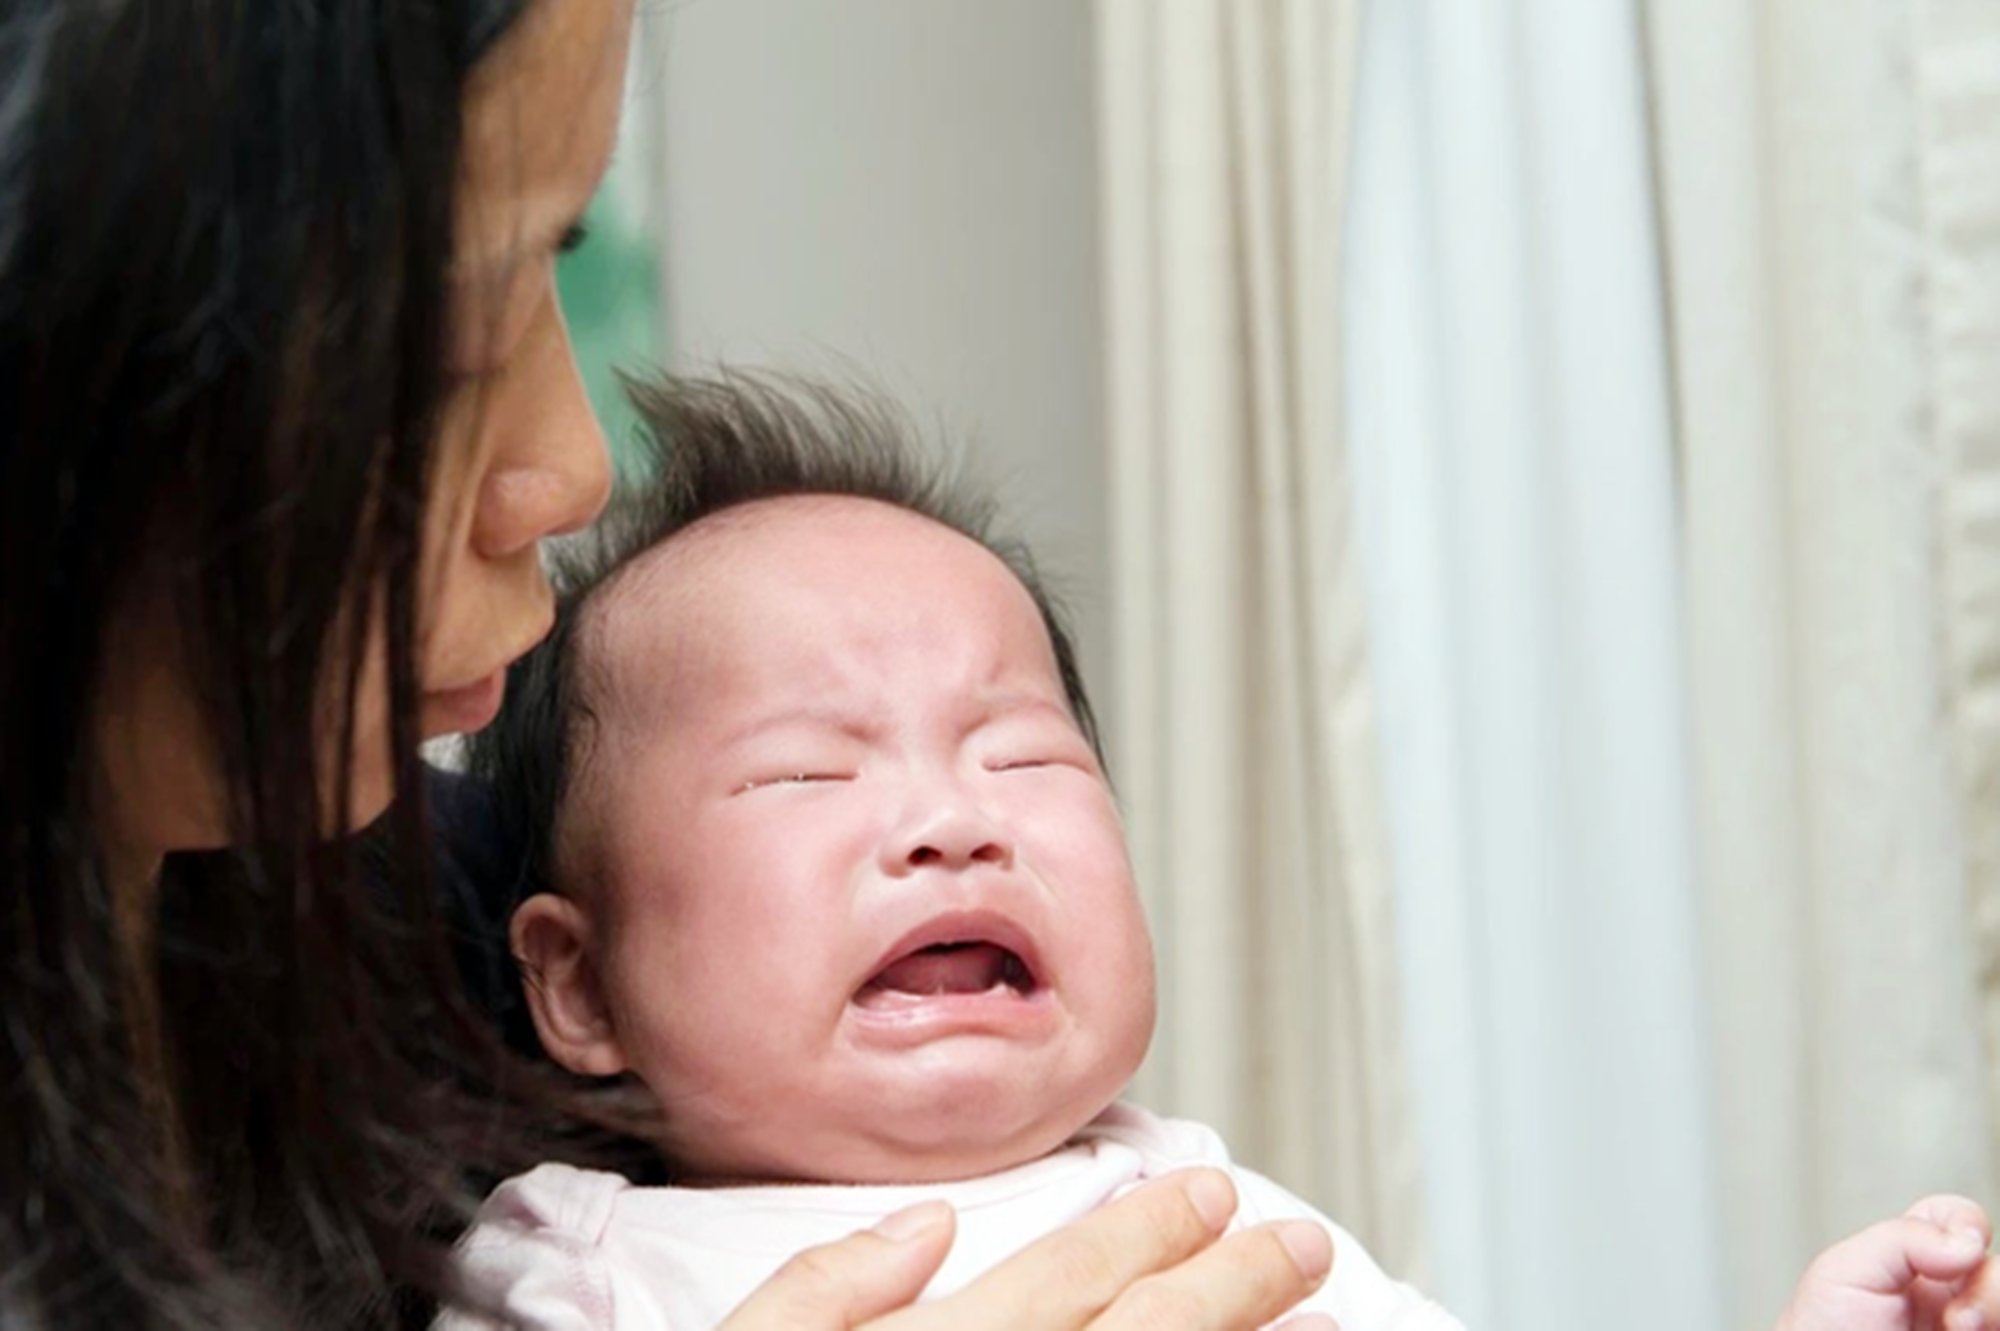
568 1249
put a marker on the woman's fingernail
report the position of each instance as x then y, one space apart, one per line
1965 1319
1311 1248
1213 1199
913 1222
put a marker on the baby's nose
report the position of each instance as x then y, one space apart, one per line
985 852
954 837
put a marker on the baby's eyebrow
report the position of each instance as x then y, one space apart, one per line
809 716
1002 705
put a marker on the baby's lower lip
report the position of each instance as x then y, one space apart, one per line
894 1019
875 998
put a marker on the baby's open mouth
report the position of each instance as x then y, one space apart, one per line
947 968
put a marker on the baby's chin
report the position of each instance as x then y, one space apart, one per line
945 1109
864 1154
868 1164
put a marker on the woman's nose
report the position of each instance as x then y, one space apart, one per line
552 473
951 834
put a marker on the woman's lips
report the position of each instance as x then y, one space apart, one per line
469 707
463 710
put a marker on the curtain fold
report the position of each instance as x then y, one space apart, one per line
1826 170
1957 71
1243 716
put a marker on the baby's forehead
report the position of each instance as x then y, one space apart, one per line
778 537
841 545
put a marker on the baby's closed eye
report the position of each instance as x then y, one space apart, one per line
1036 753
1030 761
804 777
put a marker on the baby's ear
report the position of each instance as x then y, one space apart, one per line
551 939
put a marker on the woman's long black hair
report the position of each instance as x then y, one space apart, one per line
224 238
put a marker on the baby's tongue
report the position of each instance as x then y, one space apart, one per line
970 968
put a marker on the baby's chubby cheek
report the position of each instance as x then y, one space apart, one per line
1137 1004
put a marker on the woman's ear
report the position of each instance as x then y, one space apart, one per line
551 940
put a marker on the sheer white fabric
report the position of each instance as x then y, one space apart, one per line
1511 444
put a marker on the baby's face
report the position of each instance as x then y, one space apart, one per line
865 911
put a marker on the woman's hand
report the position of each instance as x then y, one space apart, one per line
1149 1260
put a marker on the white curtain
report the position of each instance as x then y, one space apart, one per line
1511 441
1243 716
1831 189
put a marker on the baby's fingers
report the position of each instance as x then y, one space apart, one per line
841 1285
1890 1257
1948 1236
1977 1306
1953 1213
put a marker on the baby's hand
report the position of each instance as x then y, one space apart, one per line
1927 1271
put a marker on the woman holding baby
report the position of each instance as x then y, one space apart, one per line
291 406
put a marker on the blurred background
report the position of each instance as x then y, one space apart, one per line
1527 474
